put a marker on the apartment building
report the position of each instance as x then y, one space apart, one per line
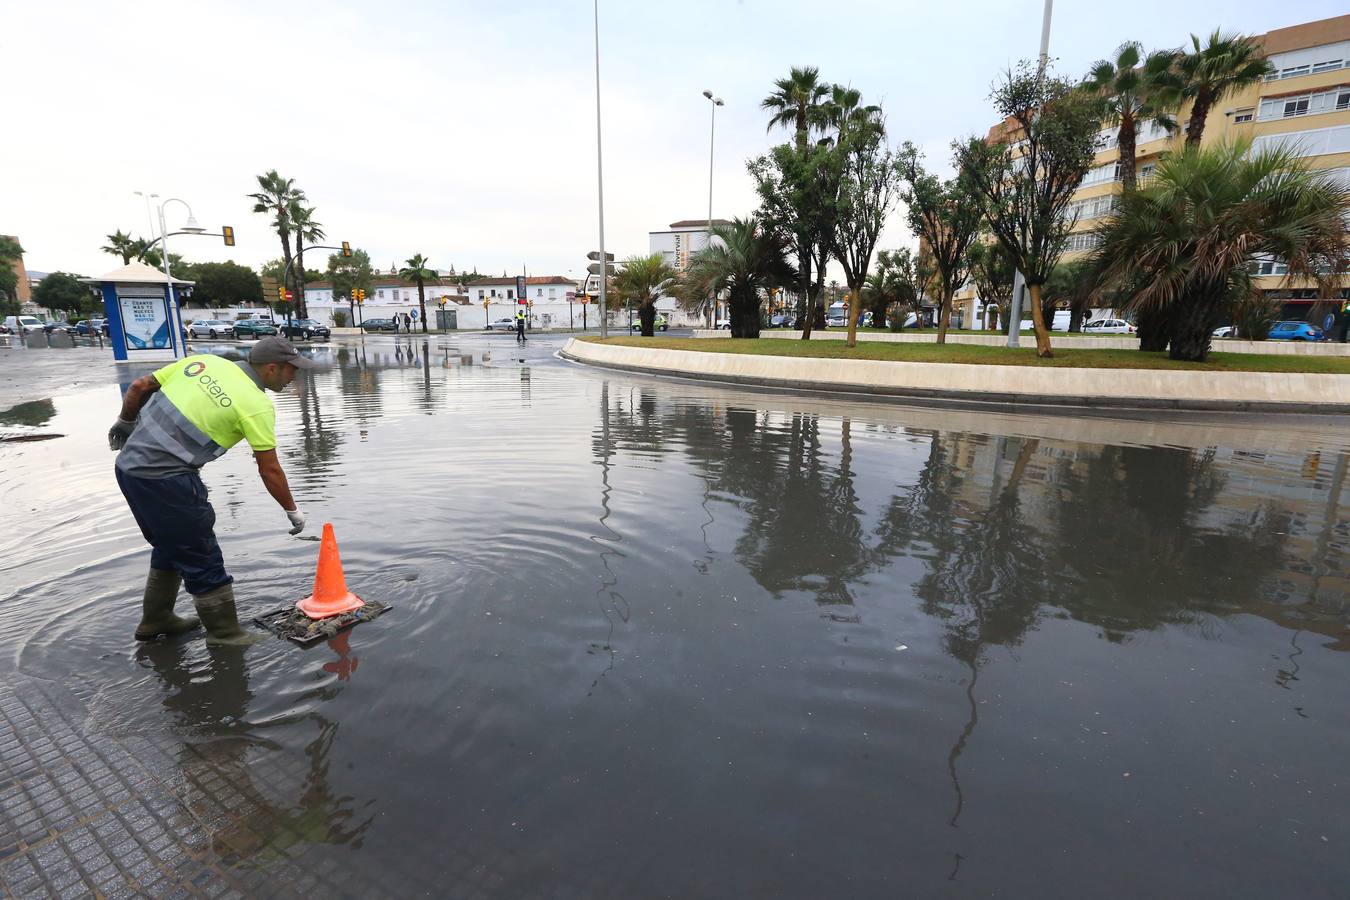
1304 103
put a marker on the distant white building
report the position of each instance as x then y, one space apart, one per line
676 245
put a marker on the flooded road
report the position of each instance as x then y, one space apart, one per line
657 638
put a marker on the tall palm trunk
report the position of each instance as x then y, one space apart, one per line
1043 349
1195 129
422 303
1192 326
1126 140
647 317
287 258
1155 330
300 307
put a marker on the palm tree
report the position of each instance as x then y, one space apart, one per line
844 112
796 101
305 229
643 280
1199 225
1132 95
749 261
274 197
882 289
1226 64
417 271
123 245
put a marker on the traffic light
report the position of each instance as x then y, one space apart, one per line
346 249
281 294
228 233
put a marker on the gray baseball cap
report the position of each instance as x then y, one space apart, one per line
278 350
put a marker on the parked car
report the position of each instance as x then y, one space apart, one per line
836 321
255 328
1109 326
780 321
723 324
507 324
213 328
370 325
49 327
1296 331
28 324
1225 331
658 325
92 326
305 328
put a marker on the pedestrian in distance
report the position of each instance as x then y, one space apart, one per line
407 322
172 423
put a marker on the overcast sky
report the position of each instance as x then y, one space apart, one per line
466 131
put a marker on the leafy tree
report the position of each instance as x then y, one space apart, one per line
65 292
417 271
798 190
642 280
347 273
1200 224
1226 64
946 215
275 197
748 262
869 188
305 229
1025 193
994 274
10 253
226 284
123 245
1131 95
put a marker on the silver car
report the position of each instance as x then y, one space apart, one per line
211 328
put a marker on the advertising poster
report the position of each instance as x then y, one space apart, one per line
144 323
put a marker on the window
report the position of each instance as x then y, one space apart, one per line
1337 98
510 293
552 293
1297 107
1269 266
1330 65
1244 115
1081 241
539 292
480 293
380 294
494 292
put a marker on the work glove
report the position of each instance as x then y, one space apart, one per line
297 520
118 434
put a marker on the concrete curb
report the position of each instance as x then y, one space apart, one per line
1082 342
1148 389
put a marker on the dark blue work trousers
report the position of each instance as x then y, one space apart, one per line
179 523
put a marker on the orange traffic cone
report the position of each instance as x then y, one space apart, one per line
330 597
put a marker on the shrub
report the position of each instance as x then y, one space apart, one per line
339 318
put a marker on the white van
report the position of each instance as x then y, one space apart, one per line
29 324
1061 323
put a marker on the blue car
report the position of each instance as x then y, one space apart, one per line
1296 331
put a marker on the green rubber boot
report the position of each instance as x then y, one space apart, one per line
222 623
157 618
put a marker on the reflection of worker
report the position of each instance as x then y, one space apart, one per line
520 326
172 423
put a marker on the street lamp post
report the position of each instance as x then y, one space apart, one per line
712 134
191 227
600 179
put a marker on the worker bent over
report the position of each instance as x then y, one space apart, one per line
172 423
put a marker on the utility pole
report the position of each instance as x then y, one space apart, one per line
600 173
1020 281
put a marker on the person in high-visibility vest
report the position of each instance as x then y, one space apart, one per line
520 325
172 423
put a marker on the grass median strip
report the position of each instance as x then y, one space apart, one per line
1065 357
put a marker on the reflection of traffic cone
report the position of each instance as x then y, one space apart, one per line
330 597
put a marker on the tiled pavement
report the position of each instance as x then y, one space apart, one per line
86 815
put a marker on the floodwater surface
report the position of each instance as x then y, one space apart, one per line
661 638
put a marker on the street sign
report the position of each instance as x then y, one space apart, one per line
522 302
1329 321
521 289
594 269
594 256
571 296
